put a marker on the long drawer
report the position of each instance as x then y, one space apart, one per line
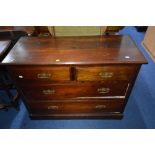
72 107
80 90
40 74
105 73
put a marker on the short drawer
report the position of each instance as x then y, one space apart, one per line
105 73
42 73
80 90
72 107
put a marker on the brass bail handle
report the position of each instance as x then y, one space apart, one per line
48 91
103 90
53 107
106 74
44 75
100 106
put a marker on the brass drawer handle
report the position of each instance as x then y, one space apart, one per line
44 75
48 91
100 106
106 74
53 107
103 90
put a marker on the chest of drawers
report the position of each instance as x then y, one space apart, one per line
74 77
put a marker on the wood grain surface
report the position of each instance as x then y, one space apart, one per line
75 50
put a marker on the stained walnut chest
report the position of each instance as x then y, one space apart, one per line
74 77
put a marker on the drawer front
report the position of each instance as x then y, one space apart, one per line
83 90
40 73
72 107
105 73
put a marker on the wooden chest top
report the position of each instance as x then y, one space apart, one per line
98 50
